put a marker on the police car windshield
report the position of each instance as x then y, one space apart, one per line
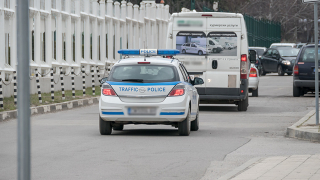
143 73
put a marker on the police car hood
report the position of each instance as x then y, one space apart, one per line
142 92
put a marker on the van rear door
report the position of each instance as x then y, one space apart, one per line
223 68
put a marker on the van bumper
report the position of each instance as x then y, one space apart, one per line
224 95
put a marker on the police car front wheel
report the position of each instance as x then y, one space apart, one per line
105 127
184 126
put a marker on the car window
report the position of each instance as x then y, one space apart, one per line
193 45
211 43
269 53
187 44
186 72
308 55
185 78
288 52
146 73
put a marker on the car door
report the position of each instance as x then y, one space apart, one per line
193 48
274 60
265 60
187 47
190 90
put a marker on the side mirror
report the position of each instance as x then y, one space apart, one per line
198 81
252 56
103 80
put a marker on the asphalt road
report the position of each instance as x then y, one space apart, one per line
67 145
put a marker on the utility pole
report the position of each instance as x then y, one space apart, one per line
24 149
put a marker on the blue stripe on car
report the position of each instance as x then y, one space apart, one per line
142 84
171 113
112 113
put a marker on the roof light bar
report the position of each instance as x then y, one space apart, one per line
149 52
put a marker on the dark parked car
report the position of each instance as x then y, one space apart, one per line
304 71
280 60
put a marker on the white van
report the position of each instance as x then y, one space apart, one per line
211 44
225 73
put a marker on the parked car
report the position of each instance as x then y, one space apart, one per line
212 45
304 71
253 81
194 48
274 45
259 50
279 60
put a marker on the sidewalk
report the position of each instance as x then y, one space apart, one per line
296 167
305 128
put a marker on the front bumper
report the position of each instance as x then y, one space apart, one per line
171 109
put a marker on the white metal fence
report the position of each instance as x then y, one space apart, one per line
76 33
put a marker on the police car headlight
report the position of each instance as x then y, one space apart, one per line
286 62
107 90
178 90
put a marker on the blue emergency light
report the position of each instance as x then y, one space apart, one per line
149 52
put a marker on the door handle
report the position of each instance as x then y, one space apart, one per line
214 64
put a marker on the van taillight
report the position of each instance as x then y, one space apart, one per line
208 15
244 67
296 70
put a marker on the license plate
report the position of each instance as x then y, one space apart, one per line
142 111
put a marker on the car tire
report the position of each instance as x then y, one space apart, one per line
229 48
184 126
105 127
280 71
263 72
296 91
195 123
255 92
200 53
118 127
289 74
183 51
243 105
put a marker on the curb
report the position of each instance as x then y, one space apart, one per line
294 132
240 169
50 108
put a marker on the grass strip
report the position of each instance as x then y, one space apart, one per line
8 103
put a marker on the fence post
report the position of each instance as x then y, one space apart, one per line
62 84
38 85
52 84
93 84
72 83
1 95
15 87
83 81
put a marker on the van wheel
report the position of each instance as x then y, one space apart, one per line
184 126
280 71
105 127
229 48
296 91
195 123
243 105
183 51
200 53
255 92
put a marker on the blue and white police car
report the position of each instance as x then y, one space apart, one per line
149 89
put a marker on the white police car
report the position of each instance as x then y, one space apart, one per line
149 90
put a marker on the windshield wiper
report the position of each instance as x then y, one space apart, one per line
134 80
